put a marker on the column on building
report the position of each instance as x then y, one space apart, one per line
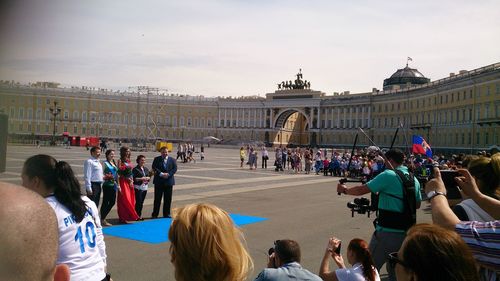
225 117
245 119
338 116
318 118
255 119
356 118
363 116
331 116
218 125
369 125
231 118
344 117
265 117
237 117
350 117
260 118
271 118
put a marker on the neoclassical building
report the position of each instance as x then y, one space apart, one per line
459 112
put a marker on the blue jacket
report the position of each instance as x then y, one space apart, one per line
289 271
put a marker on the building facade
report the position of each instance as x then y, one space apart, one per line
459 112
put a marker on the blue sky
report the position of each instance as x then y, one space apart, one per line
236 48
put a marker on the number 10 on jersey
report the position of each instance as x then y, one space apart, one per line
89 234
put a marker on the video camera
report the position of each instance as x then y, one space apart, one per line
360 205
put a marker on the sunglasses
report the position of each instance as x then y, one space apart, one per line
393 259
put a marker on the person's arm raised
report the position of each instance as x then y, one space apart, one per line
470 188
441 212
324 269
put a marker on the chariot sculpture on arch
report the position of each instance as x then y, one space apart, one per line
297 84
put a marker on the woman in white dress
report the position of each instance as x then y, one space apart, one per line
358 255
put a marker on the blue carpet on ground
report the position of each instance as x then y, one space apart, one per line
156 231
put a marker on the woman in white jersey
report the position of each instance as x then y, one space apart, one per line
81 242
358 256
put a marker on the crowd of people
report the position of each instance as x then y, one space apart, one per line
320 160
186 152
461 244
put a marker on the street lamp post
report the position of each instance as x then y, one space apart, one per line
54 111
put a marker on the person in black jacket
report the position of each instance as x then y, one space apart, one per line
164 168
141 179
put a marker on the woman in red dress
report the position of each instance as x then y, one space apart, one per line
126 196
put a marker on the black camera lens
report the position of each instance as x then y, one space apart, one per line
363 201
270 251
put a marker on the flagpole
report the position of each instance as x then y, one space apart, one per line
406 138
394 138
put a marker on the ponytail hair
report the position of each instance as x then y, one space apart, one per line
362 254
60 179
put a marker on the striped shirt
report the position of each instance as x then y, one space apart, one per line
483 238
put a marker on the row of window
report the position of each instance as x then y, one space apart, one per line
47 129
111 118
438 138
464 115
461 115
443 99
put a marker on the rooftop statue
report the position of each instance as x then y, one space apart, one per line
297 84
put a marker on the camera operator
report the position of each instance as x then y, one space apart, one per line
283 263
393 219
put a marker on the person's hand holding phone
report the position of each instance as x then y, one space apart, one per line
436 183
467 183
333 247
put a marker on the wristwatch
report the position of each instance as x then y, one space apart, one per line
433 194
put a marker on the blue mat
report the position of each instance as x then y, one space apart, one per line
156 231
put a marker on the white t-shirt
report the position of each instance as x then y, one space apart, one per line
81 245
355 273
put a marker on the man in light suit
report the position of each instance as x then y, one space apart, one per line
164 168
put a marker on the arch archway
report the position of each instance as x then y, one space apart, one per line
291 127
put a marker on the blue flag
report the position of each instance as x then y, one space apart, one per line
420 146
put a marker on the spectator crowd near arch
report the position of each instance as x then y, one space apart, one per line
462 243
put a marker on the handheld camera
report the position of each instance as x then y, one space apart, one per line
448 177
360 205
337 251
452 189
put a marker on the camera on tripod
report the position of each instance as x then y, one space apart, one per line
360 205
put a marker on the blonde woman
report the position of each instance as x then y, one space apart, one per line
206 245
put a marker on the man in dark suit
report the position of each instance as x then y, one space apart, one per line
164 168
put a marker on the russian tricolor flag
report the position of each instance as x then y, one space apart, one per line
420 146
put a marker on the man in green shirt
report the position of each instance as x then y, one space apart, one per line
390 229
